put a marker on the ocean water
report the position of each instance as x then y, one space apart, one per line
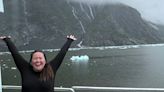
136 66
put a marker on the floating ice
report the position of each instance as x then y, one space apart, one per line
13 68
79 58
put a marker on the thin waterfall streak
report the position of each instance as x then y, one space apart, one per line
25 12
74 13
83 29
80 44
26 21
82 8
91 12
80 22
76 17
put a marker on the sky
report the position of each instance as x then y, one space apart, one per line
151 10
1 6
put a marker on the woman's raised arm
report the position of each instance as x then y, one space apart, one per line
19 60
56 61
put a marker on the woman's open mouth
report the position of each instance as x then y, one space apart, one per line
38 64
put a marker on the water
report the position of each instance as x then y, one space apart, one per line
137 66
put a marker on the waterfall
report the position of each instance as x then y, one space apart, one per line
82 8
80 22
91 12
26 22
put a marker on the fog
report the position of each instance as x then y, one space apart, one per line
151 10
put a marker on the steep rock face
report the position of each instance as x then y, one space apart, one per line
38 24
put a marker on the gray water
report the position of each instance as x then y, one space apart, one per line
112 67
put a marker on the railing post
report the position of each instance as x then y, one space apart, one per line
0 79
1 6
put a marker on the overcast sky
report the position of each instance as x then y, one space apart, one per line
152 10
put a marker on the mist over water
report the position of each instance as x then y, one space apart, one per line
151 10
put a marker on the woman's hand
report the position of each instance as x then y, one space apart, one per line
3 37
71 37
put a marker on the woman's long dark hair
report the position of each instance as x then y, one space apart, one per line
47 72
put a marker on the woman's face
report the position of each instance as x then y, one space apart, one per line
38 61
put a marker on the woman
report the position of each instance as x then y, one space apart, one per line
38 75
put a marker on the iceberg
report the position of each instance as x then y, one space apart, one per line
82 58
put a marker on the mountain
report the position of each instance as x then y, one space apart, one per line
41 24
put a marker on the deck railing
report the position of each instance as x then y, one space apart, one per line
91 88
116 88
19 87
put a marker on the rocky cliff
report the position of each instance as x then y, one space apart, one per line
38 24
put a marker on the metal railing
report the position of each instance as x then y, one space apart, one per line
84 88
116 88
19 87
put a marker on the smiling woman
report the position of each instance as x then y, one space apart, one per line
1 6
40 72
